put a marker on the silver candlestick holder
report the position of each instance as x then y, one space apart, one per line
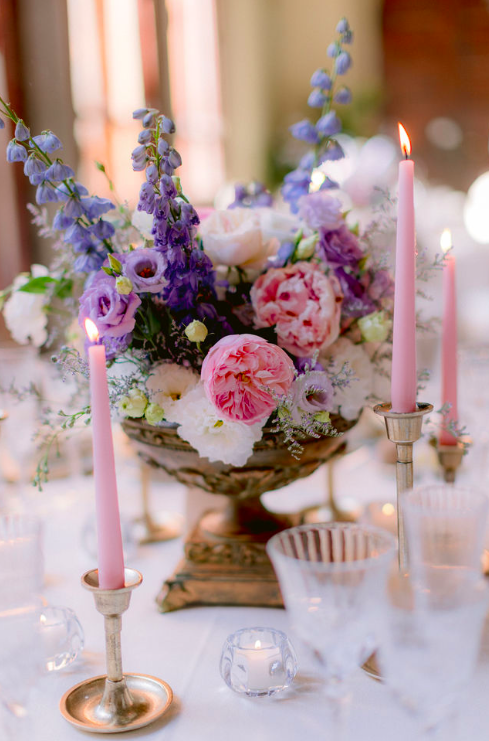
403 429
450 458
115 702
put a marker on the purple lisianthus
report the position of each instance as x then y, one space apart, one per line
340 247
112 312
320 210
145 267
356 301
311 393
304 364
382 285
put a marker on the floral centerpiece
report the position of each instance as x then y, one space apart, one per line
226 323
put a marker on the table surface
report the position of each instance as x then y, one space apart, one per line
184 647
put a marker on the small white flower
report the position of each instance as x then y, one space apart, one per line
212 437
24 313
167 383
143 222
350 399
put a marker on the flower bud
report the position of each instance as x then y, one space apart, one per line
21 131
196 331
306 247
322 417
123 286
115 264
374 327
154 414
134 404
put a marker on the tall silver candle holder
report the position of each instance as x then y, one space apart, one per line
450 458
115 702
403 429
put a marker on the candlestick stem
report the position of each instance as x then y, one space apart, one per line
403 429
450 457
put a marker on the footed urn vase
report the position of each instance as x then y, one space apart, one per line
225 561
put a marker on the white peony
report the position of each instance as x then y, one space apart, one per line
350 399
167 383
24 313
245 237
213 438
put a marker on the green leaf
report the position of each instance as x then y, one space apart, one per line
37 285
63 288
99 166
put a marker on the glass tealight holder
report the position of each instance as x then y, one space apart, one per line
258 662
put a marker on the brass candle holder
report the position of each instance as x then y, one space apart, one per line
403 429
115 702
450 458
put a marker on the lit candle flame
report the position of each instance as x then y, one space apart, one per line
317 179
91 330
446 240
257 644
405 140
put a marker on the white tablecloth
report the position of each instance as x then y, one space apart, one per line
184 647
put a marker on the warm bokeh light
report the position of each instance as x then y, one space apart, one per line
388 509
405 140
446 240
476 211
317 179
257 644
91 330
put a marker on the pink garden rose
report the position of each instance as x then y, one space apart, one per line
303 303
239 373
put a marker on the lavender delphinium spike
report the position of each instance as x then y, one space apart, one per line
298 182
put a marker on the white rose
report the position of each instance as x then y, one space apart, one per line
167 383
24 313
244 237
350 399
213 438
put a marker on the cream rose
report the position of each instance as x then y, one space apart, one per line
244 237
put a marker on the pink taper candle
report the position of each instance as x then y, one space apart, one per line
449 339
110 558
403 378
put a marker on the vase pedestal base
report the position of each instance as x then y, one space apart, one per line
220 570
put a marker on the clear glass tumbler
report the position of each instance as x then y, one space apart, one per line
445 529
332 577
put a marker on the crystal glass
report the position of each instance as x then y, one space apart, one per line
331 577
445 527
21 560
430 643
258 662
61 637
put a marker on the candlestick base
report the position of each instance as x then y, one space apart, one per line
98 705
115 702
450 458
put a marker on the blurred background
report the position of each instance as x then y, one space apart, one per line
234 75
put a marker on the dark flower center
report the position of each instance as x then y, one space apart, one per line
147 272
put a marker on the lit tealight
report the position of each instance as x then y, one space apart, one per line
257 644
388 509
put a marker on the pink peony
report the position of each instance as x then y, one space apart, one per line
239 373
303 303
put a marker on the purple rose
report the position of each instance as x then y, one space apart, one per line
340 246
311 393
111 312
320 210
144 268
